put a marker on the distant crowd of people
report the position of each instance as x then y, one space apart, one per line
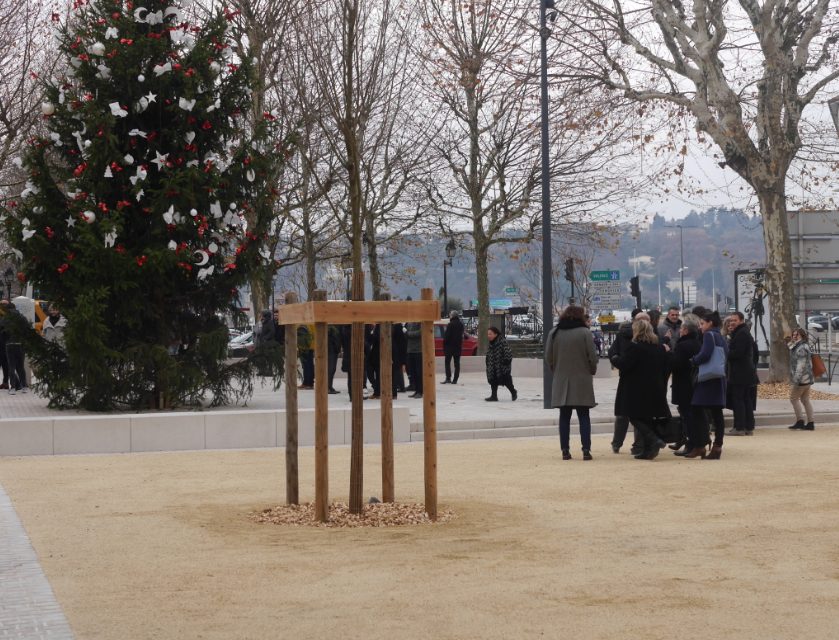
711 364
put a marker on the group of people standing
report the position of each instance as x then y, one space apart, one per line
710 364
406 353
12 357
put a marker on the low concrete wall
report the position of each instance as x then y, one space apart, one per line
128 433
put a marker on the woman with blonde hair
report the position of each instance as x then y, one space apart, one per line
800 379
642 396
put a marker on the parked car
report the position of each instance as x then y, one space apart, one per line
470 342
817 323
241 346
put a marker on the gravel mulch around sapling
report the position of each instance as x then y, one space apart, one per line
380 514
780 391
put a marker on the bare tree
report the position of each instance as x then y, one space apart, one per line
745 72
481 63
26 55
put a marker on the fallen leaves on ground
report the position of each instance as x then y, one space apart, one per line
780 391
380 514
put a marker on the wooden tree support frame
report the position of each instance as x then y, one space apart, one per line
322 313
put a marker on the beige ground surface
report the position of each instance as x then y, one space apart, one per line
160 546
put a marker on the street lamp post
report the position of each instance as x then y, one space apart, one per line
451 250
547 301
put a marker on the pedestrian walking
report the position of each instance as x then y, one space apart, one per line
499 365
742 375
572 358
306 353
453 347
642 394
4 337
333 337
709 394
800 379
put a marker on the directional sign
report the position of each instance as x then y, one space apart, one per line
511 291
606 294
600 276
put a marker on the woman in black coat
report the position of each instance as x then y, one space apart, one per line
643 393
687 345
499 365
709 394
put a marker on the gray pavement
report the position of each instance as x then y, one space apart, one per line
28 608
462 403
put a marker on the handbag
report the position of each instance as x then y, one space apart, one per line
714 368
818 365
669 429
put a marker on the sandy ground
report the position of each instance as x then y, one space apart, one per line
160 546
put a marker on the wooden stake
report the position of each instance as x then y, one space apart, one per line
292 489
357 374
386 391
429 412
321 417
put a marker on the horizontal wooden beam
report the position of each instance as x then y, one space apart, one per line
340 312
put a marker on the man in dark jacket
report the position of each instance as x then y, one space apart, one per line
687 346
333 337
742 375
452 347
414 348
668 329
618 348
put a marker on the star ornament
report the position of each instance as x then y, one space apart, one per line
71 221
160 160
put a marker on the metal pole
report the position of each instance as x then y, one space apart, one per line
547 291
682 261
445 290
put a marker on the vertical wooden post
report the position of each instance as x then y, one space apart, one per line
386 390
321 416
429 412
292 489
357 374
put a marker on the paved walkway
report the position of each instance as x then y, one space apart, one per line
462 403
28 608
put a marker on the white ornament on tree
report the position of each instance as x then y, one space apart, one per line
88 216
47 108
96 49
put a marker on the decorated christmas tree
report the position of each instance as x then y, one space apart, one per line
147 205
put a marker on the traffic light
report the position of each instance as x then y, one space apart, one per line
569 269
633 287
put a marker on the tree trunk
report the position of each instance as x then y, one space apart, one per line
260 296
778 276
311 264
482 276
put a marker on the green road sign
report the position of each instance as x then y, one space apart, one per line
601 276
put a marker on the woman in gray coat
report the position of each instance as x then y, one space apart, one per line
573 361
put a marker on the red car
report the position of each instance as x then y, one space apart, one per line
470 342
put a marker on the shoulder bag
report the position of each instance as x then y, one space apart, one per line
715 367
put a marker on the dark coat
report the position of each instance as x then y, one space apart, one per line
499 360
681 368
453 337
573 361
741 357
710 393
622 340
399 344
642 391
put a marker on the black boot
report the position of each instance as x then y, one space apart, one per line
587 454
808 427
492 399
799 424
566 454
